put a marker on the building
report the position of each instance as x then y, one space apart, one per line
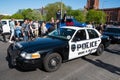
113 14
92 4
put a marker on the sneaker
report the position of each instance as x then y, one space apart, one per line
11 41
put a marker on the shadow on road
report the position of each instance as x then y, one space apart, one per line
106 66
113 51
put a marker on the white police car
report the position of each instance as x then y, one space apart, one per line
58 46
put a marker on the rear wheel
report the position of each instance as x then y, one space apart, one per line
100 50
52 62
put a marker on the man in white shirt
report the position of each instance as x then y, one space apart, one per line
12 27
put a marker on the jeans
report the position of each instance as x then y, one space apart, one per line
25 38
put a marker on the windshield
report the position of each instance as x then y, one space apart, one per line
113 30
63 33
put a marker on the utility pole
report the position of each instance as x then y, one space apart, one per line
61 9
102 9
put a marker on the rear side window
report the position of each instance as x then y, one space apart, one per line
92 34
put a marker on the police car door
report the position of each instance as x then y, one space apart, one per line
77 44
94 40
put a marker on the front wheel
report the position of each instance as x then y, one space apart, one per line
11 61
52 62
100 50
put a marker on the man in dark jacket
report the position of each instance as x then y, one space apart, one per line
58 18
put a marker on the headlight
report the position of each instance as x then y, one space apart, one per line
19 45
35 55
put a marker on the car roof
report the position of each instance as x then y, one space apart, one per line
114 27
75 28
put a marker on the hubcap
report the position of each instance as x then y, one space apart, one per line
100 50
53 62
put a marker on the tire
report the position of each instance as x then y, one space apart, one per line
100 50
10 58
11 62
52 62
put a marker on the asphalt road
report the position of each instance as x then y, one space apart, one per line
91 67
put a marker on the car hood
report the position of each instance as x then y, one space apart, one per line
104 36
40 44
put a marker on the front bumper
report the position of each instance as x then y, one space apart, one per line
28 64
16 60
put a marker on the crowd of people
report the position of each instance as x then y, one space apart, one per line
99 27
26 31
30 29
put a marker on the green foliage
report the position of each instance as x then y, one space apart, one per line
17 16
1 16
27 13
34 15
96 16
53 8
77 14
6 17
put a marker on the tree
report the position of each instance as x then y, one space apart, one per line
51 9
95 16
24 12
77 14
28 13
1 16
17 16
6 17
34 15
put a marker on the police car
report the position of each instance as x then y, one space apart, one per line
60 45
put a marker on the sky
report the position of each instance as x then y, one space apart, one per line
12 6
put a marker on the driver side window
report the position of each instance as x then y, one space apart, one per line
80 35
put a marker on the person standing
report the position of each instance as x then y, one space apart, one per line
64 16
25 30
36 26
31 30
52 23
18 31
1 32
43 29
58 18
99 28
12 27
